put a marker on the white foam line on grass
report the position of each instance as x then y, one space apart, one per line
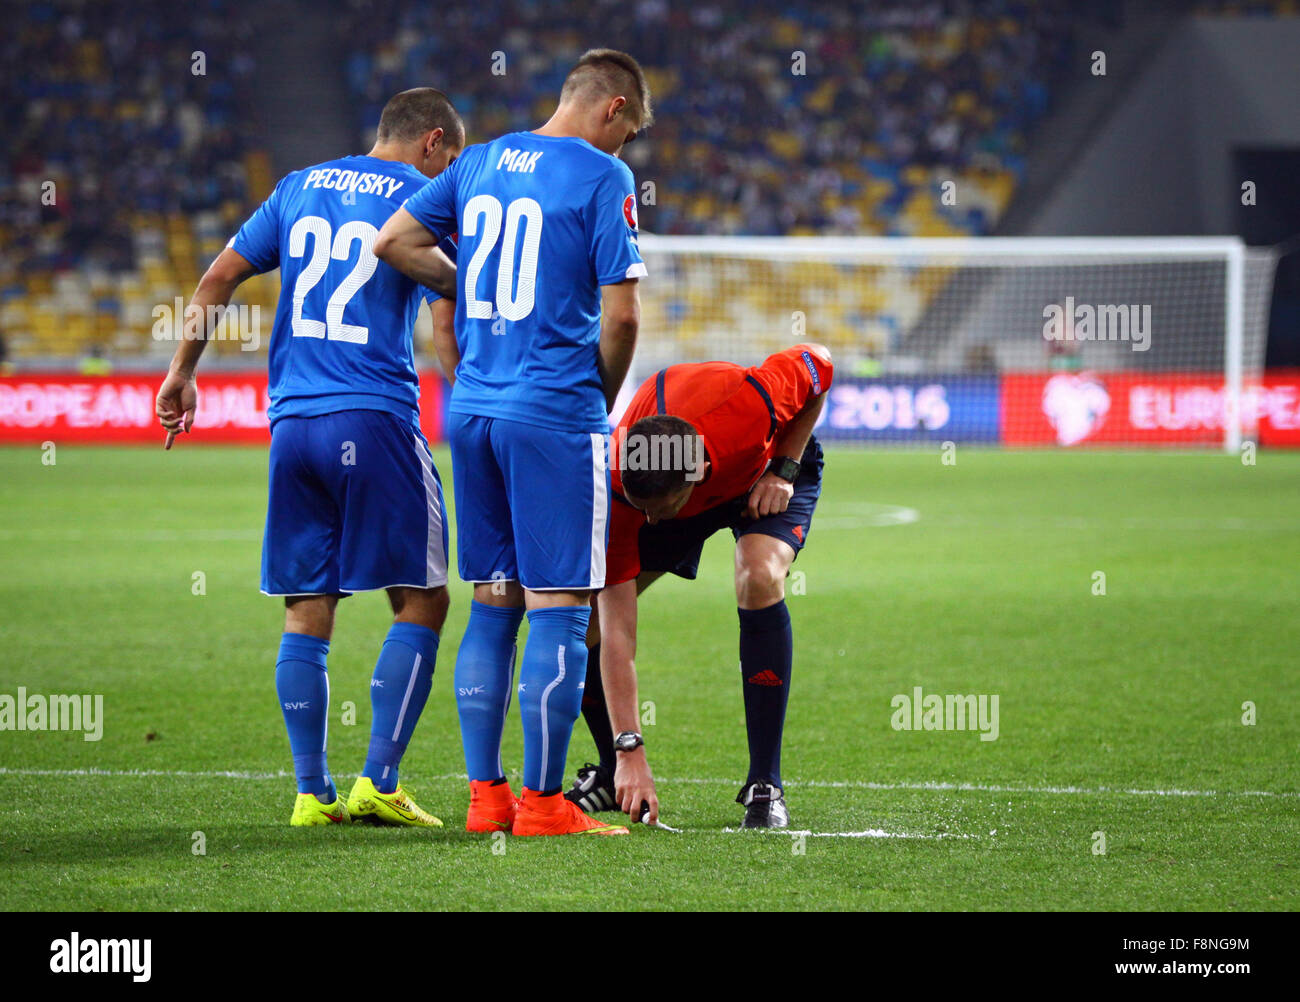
869 833
940 787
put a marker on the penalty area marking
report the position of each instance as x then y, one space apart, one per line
864 515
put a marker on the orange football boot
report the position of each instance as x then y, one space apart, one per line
491 807
553 815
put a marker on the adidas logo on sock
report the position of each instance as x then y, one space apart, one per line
768 677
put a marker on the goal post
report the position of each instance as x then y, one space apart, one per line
1019 341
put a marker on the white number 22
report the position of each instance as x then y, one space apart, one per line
324 246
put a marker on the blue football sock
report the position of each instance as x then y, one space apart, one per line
766 654
550 691
398 692
303 687
485 671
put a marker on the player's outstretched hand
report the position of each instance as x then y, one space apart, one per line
178 397
633 785
770 496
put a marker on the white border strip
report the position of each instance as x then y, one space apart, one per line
599 510
435 556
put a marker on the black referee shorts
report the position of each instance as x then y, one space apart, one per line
674 546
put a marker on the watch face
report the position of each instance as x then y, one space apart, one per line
628 742
787 469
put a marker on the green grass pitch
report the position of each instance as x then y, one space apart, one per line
1119 713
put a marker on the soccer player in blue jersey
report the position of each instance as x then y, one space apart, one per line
546 322
355 503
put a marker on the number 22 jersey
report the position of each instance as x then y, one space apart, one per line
342 333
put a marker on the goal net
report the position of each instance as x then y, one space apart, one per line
1022 341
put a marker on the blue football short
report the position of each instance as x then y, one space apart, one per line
532 504
354 504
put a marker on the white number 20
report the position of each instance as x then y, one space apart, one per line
513 301
324 246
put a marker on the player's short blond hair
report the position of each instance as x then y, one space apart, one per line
605 73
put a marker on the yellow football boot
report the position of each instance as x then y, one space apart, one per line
367 804
307 810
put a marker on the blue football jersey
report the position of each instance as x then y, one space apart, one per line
543 223
342 334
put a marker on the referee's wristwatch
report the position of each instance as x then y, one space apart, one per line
785 468
628 741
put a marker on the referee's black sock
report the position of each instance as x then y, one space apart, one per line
766 654
596 713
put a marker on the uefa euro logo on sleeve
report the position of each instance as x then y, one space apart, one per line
812 371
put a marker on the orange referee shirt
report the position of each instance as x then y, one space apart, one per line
739 423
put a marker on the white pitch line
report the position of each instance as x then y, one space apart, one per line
147 536
148 773
927 786
842 517
930 785
1172 524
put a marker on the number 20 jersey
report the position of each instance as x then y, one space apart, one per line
342 334
543 223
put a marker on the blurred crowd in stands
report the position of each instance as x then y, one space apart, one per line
772 117
105 101
133 146
118 118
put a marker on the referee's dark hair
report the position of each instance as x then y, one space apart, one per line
412 113
655 436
